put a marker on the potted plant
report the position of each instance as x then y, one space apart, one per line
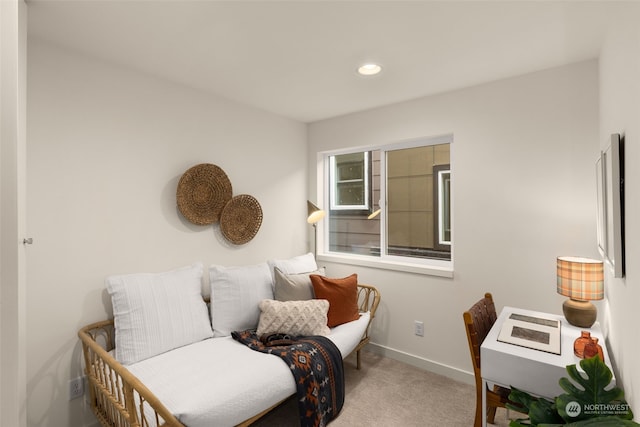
591 404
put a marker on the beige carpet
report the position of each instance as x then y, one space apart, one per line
387 393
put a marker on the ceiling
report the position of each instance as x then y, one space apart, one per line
298 58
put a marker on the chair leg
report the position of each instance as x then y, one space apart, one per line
491 414
358 359
478 419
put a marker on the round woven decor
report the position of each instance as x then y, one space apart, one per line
202 193
240 219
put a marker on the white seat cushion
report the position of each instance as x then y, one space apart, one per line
222 382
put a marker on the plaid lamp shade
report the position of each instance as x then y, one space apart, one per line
580 278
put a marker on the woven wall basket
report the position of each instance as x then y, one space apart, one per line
203 191
240 219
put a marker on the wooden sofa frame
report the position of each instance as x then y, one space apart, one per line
118 398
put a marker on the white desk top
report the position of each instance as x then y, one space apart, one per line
532 370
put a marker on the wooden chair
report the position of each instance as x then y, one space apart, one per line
478 320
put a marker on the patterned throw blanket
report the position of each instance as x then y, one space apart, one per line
316 364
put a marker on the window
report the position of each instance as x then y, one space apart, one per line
350 181
391 203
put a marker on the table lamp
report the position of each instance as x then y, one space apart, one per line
582 280
314 214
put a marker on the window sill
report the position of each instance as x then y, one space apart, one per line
439 269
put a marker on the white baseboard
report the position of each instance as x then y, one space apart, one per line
422 363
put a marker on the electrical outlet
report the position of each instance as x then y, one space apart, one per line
418 328
76 388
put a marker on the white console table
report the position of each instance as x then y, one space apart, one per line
534 371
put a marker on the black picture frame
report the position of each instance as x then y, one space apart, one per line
610 214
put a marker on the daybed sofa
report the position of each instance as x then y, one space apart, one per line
167 357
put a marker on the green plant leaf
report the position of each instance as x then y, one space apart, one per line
522 398
539 410
594 404
591 391
609 421
543 411
520 423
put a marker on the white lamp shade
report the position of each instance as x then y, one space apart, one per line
314 213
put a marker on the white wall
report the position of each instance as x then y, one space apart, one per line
13 34
523 191
620 113
106 148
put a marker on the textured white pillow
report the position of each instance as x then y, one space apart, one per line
294 287
157 312
235 295
294 317
296 265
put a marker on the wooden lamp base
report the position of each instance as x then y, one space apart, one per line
582 314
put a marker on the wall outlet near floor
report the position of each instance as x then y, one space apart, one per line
418 328
76 388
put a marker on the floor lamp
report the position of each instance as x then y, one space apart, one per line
314 214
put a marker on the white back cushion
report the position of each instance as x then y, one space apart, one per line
157 312
235 295
296 265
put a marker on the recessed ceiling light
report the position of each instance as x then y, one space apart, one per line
369 69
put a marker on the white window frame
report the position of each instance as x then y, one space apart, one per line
435 267
365 178
443 183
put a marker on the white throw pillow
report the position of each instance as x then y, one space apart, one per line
157 312
296 265
294 287
294 318
235 295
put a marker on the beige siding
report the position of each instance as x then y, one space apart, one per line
411 195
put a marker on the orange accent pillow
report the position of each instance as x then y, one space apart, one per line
342 295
